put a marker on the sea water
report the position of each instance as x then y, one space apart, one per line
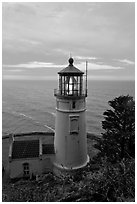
30 105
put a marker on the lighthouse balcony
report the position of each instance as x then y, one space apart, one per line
71 94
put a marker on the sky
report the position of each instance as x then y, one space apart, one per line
39 38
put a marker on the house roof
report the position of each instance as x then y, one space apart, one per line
25 149
48 149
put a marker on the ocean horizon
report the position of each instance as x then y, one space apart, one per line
30 105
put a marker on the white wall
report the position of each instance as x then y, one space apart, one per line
16 167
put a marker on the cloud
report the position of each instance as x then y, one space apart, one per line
93 27
126 61
94 66
85 58
42 34
15 70
35 64
32 42
25 77
81 66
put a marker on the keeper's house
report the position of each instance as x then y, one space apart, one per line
29 155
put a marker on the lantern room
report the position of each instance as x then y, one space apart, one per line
70 81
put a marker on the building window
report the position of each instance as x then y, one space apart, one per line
26 169
74 124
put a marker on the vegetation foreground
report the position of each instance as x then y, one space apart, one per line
108 184
109 177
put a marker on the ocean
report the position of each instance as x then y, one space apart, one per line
29 106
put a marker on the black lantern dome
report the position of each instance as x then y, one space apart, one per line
71 69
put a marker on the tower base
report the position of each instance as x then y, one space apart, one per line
60 170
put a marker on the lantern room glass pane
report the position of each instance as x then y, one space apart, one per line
60 84
70 85
81 84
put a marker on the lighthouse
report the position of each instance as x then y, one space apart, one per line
70 140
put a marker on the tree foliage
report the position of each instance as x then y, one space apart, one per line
118 139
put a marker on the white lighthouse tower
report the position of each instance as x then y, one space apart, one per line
70 126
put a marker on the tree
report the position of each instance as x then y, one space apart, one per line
118 139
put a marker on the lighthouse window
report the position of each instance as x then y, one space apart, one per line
74 127
73 105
